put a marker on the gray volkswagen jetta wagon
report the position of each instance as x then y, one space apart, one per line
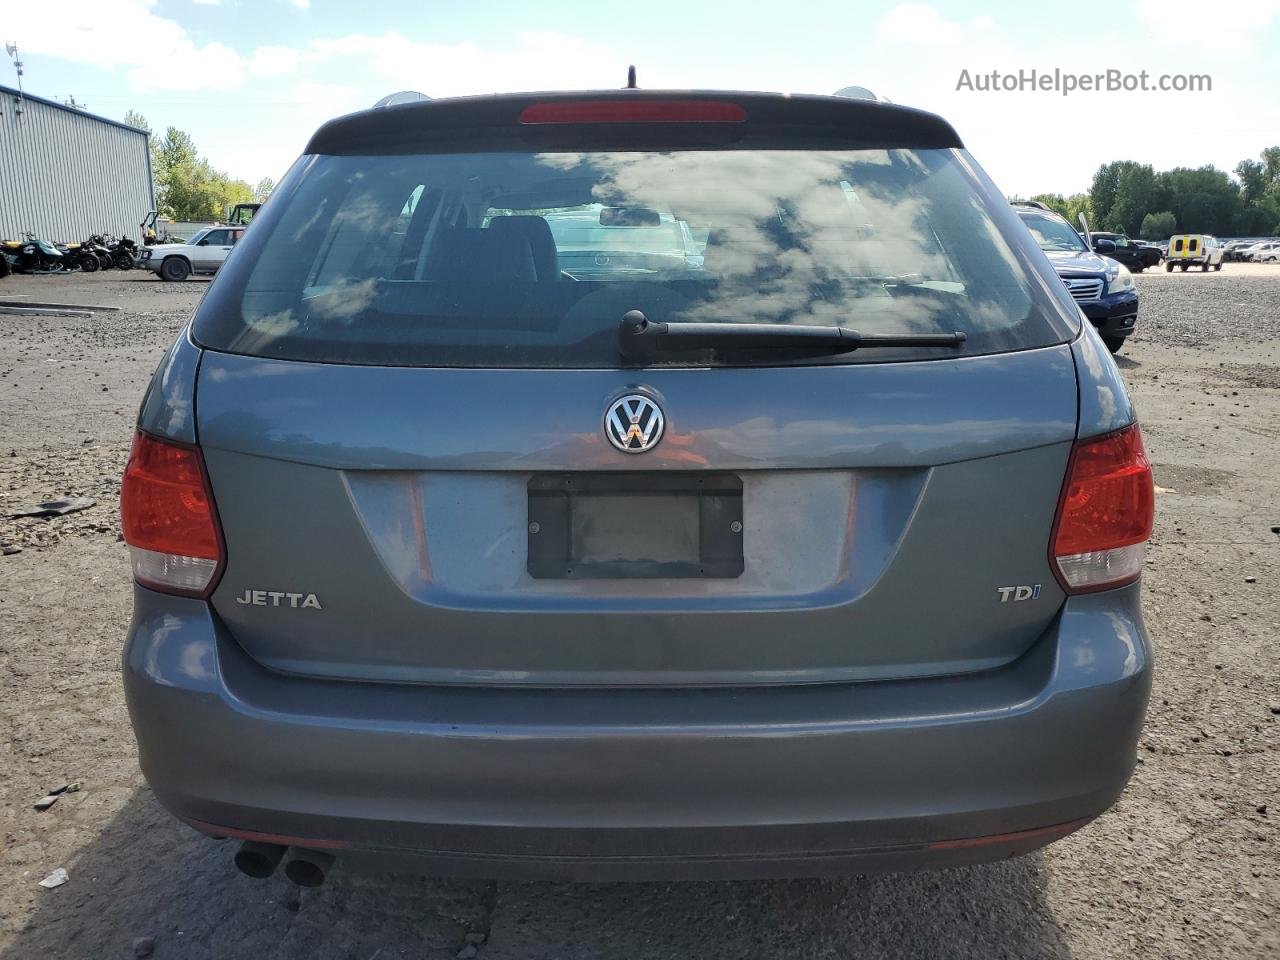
637 485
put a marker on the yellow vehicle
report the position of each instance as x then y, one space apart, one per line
1193 250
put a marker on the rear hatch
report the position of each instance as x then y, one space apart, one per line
404 403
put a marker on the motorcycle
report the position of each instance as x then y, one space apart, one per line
31 255
74 256
129 250
122 249
98 249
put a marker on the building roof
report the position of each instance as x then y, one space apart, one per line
11 91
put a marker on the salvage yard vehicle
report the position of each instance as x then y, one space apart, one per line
33 255
103 259
1234 249
1194 250
1102 287
81 256
1135 256
242 214
1261 252
820 555
205 252
120 251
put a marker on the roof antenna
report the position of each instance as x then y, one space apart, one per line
631 77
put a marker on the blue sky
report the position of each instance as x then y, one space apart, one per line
251 79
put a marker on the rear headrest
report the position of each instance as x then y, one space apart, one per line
542 244
511 248
502 256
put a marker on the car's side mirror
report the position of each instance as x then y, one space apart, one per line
1104 246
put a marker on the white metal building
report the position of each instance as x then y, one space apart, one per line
66 174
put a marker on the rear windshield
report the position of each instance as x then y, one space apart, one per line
530 259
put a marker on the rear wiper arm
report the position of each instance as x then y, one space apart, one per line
637 337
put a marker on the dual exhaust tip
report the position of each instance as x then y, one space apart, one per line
306 868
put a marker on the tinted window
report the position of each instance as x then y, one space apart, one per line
531 259
216 238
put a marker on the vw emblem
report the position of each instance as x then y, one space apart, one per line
634 424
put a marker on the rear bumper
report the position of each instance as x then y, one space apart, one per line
643 784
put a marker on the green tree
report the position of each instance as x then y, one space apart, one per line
1204 200
1102 192
135 119
1123 193
1253 180
264 188
187 186
1054 201
1138 193
1158 226
1068 207
1134 199
1259 194
1271 164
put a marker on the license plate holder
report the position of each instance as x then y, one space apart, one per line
591 526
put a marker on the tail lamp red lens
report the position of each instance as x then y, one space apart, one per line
634 111
168 517
1105 514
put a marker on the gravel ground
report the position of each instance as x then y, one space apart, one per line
1187 865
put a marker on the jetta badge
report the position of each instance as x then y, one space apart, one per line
634 424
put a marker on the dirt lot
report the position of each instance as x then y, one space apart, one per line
1187 865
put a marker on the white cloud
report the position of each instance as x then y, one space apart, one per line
131 38
301 4
206 3
913 54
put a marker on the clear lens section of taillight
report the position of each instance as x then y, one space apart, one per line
1106 513
171 570
1097 568
167 513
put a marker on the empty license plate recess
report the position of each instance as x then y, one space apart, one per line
635 525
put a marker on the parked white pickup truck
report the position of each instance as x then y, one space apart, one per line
205 252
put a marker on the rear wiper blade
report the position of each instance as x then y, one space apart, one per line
638 337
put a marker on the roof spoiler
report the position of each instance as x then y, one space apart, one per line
482 122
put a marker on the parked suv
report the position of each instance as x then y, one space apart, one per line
205 252
1135 256
1103 288
820 556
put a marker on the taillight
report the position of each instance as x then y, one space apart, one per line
634 111
1105 516
166 510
